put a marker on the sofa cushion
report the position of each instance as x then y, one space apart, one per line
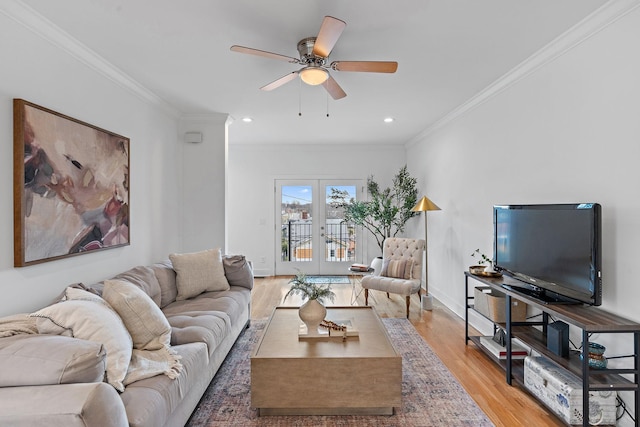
151 401
238 271
93 321
144 278
232 302
198 272
166 276
66 405
209 327
50 359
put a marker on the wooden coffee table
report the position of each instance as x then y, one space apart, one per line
361 375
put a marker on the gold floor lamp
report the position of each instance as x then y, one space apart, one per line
425 205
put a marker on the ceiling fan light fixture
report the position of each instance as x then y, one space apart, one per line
314 76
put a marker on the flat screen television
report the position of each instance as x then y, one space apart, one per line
553 250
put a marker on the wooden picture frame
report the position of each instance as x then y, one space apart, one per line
71 186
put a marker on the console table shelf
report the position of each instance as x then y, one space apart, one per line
501 362
588 319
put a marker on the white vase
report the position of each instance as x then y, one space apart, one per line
376 264
312 313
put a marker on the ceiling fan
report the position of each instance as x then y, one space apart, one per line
314 55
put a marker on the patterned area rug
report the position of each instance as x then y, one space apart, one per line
333 280
431 396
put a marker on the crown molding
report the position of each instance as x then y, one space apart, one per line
204 118
319 147
32 20
595 22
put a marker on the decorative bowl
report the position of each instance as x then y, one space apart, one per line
476 269
595 348
597 360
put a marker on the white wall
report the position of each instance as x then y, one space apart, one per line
569 132
36 70
204 176
253 170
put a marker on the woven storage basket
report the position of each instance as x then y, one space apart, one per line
492 304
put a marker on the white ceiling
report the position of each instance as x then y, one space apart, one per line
447 50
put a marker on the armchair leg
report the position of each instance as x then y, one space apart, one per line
388 296
366 297
408 303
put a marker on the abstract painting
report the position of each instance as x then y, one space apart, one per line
71 186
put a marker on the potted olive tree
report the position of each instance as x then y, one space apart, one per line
387 210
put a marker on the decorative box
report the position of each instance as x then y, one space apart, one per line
561 391
492 304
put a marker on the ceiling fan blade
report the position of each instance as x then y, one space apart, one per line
334 88
365 66
282 80
263 53
330 31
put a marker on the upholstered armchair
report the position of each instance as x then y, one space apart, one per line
401 269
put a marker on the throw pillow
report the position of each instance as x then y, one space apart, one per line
199 272
397 268
238 271
74 293
147 325
149 328
81 286
92 321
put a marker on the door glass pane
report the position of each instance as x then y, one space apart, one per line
296 223
339 236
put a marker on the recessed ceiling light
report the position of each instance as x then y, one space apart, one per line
388 119
247 119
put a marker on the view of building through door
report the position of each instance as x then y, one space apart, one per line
312 235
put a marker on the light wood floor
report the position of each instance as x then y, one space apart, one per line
444 332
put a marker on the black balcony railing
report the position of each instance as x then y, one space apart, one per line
297 241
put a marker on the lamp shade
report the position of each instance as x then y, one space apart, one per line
314 75
424 205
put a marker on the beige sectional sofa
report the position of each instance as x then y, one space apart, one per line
58 380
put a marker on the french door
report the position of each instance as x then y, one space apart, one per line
311 235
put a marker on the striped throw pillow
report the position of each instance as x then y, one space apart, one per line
397 268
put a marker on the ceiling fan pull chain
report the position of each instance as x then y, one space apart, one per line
327 104
299 98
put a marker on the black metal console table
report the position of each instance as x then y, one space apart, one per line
587 318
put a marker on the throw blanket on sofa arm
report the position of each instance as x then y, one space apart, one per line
17 324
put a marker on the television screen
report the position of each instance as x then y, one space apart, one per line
552 248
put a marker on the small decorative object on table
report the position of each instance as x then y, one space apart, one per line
339 329
597 360
476 269
311 312
481 269
362 268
